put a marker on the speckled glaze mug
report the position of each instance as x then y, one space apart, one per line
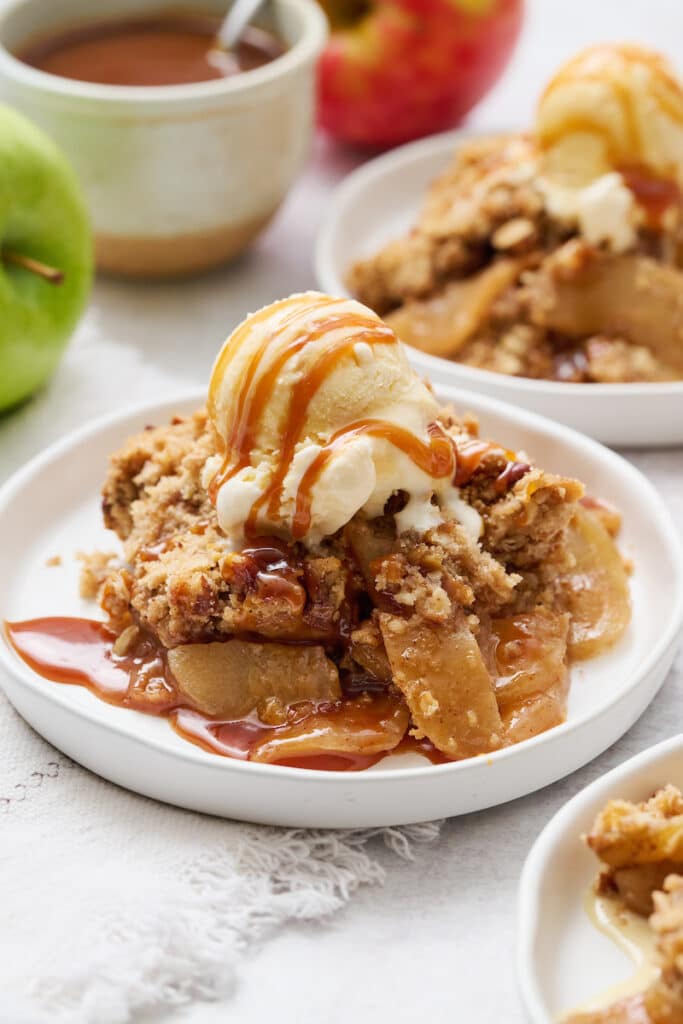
178 178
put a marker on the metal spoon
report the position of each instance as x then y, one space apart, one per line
236 20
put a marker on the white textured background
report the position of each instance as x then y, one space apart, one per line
437 942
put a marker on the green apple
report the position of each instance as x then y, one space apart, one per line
46 256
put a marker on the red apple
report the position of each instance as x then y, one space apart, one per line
398 69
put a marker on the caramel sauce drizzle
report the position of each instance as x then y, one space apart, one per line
274 574
233 344
240 438
256 392
304 391
603 63
509 476
470 455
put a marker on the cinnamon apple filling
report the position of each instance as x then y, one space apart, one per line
431 598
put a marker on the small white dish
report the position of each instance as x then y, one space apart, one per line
52 507
563 960
380 201
178 178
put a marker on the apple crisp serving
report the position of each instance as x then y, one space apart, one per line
324 566
640 847
558 254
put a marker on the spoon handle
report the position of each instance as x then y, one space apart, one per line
236 20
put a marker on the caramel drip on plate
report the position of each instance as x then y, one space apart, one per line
437 459
81 652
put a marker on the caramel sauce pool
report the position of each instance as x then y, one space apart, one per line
80 652
174 49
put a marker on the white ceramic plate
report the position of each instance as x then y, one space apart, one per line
53 507
562 958
380 201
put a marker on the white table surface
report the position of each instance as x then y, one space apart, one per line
437 942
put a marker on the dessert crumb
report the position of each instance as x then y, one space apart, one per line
96 567
53 561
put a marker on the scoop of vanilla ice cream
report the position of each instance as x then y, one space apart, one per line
298 376
611 107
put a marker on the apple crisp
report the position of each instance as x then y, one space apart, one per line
550 255
325 564
640 846
468 641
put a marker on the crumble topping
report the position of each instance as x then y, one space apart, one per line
639 846
95 569
183 582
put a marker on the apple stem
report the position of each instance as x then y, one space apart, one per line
51 274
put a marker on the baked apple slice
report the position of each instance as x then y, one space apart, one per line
623 296
367 650
443 323
595 591
228 679
368 543
532 716
527 656
362 726
440 670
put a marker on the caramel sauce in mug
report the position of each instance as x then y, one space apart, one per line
171 49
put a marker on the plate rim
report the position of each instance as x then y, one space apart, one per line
329 277
195 398
528 891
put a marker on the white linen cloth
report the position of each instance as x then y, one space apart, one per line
114 906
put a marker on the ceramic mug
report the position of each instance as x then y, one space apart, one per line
178 178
